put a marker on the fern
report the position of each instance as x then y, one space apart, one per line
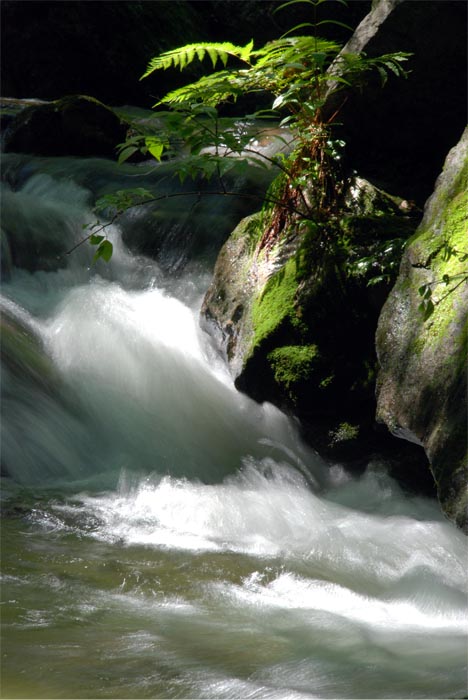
299 72
182 57
303 50
210 90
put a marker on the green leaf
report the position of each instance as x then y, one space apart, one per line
293 2
95 239
200 51
319 58
126 153
104 251
155 146
213 54
246 51
334 21
279 102
429 309
377 280
183 56
296 28
339 79
383 75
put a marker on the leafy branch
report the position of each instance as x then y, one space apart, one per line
182 57
299 71
123 200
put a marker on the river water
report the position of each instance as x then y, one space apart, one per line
165 537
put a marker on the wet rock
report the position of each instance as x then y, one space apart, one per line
296 323
421 386
38 230
23 356
72 126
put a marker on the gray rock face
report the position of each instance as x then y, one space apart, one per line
421 390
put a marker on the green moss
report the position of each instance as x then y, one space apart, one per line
294 366
276 303
343 433
293 363
453 229
327 381
249 230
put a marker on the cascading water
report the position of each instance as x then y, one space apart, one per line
164 536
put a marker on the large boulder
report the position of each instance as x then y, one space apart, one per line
297 323
72 126
422 338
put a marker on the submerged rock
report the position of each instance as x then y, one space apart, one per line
40 222
75 126
23 356
421 388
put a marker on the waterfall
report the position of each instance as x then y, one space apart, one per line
165 536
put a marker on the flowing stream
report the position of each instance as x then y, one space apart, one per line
162 535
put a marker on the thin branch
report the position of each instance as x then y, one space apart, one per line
95 231
450 291
194 193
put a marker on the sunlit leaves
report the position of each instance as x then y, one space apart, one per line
104 251
183 56
155 146
104 247
299 72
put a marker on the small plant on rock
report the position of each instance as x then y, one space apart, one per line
300 72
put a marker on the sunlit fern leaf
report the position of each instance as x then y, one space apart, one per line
209 90
183 56
246 52
302 50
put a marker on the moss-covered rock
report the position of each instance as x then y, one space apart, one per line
422 381
297 322
74 126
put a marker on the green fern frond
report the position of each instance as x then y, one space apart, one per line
293 49
183 56
208 90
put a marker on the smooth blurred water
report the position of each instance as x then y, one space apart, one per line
164 536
